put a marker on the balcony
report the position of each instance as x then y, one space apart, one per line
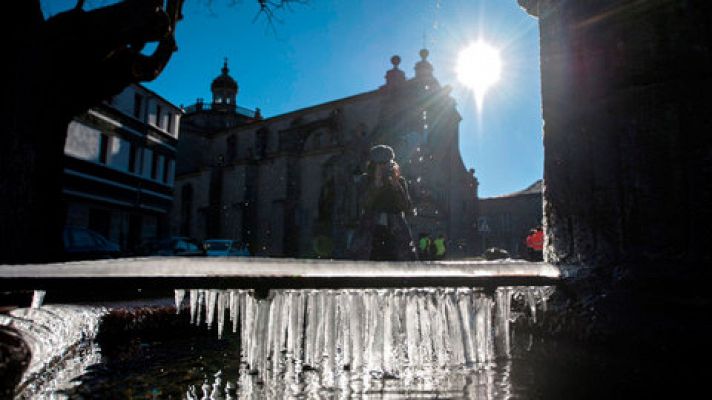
201 106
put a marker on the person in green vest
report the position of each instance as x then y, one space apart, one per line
424 246
440 248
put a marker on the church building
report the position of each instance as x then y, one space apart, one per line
291 185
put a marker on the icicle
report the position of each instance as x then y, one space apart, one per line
263 312
455 329
281 337
388 342
193 305
412 331
372 353
437 335
234 309
320 303
531 302
299 330
342 337
38 298
355 334
291 325
210 307
311 318
274 324
463 302
483 327
244 332
502 320
201 306
251 320
329 349
179 295
221 302
425 348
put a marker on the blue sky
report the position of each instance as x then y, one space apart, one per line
325 50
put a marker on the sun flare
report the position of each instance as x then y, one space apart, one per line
479 67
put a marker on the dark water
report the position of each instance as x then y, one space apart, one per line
144 366
165 368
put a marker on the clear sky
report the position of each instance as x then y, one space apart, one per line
325 50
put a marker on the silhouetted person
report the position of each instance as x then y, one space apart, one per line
383 233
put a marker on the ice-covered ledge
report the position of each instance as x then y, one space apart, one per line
272 273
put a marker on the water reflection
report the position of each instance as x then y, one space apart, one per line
489 383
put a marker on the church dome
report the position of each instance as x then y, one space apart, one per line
423 68
224 81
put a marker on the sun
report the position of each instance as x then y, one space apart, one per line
479 67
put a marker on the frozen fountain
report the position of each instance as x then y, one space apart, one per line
320 326
354 340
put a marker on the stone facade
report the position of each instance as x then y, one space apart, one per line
289 185
505 221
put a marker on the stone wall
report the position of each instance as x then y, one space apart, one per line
626 96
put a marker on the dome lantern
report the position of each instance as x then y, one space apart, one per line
224 89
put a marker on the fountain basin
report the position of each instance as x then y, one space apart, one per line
269 273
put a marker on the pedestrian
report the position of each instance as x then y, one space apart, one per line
440 248
424 246
535 244
383 232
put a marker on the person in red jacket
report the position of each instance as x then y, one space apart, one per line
535 244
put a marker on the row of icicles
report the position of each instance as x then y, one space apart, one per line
393 333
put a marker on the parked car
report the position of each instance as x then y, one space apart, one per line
85 244
223 248
172 246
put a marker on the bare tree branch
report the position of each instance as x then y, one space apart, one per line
268 8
